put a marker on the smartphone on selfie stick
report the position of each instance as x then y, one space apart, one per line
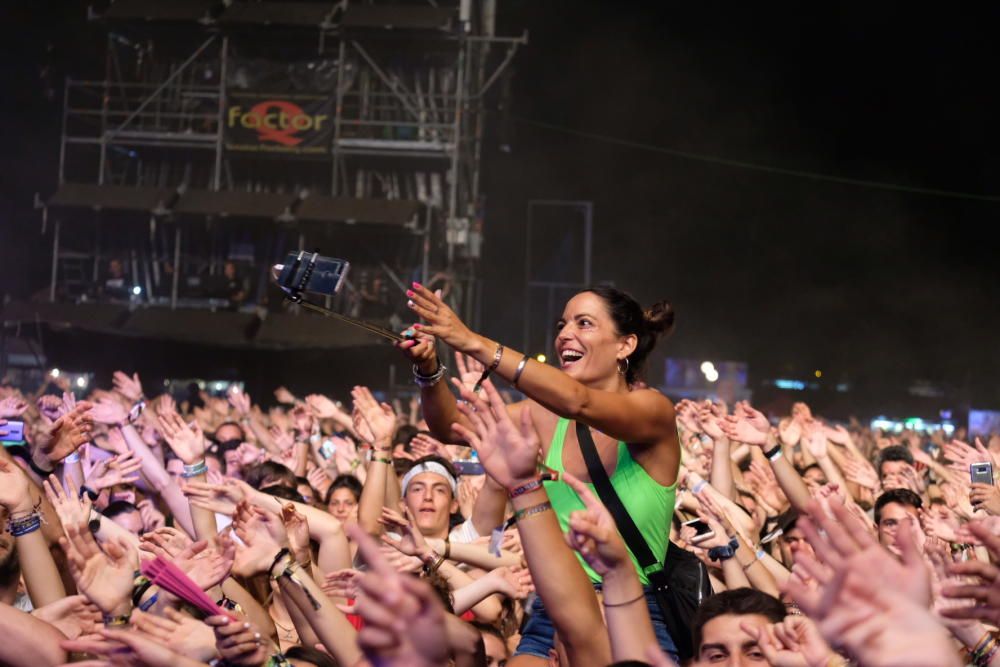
309 272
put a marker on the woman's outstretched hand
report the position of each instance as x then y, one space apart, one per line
441 320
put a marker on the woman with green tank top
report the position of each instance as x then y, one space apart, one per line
604 338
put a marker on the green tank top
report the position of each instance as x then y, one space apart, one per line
650 504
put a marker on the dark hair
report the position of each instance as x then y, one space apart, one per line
898 496
349 482
894 453
119 507
405 434
283 492
243 435
489 629
269 473
311 655
630 319
738 602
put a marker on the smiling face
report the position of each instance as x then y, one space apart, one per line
430 502
588 345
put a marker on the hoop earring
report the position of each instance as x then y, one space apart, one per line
623 371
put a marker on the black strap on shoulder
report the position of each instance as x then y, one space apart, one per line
599 477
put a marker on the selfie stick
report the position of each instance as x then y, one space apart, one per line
294 294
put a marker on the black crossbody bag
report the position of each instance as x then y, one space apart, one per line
680 584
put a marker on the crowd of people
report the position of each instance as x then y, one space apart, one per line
590 522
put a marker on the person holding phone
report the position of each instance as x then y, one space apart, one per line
604 339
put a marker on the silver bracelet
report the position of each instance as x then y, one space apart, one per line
424 381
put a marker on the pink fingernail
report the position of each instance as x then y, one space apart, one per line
409 292
417 285
418 326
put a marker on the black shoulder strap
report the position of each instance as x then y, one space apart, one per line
599 477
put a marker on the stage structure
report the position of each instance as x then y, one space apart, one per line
225 134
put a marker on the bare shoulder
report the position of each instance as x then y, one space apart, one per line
653 398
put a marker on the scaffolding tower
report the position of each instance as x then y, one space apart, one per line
247 129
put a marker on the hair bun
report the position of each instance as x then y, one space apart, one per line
659 318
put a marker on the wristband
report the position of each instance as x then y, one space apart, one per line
774 453
90 493
532 511
696 489
148 604
24 525
382 459
527 487
72 457
497 356
195 469
435 566
277 558
115 621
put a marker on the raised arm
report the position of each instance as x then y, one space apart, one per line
509 453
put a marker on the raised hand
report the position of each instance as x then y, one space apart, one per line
186 440
710 417
746 425
126 648
469 370
859 471
69 432
262 534
105 577
129 387
219 498
980 591
50 407
985 497
514 582
74 616
168 542
152 518
12 407
239 643
593 533
441 320
424 444
411 542
795 642
14 488
884 624
508 452
240 401
815 440
297 529
687 415
374 422
207 566
121 469
341 583
184 634
109 411
404 618
790 432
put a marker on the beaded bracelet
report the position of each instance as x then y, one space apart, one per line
115 621
424 381
29 523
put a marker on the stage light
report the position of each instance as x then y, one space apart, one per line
137 290
818 373
54 372
707 367
712 375
81 382
541 358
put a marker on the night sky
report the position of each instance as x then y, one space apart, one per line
876 287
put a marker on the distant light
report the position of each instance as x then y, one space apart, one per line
54 373
81 382
137 290
842 387
712 375
541 358
818 373
707 367
795 385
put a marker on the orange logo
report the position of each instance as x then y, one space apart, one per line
276 120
